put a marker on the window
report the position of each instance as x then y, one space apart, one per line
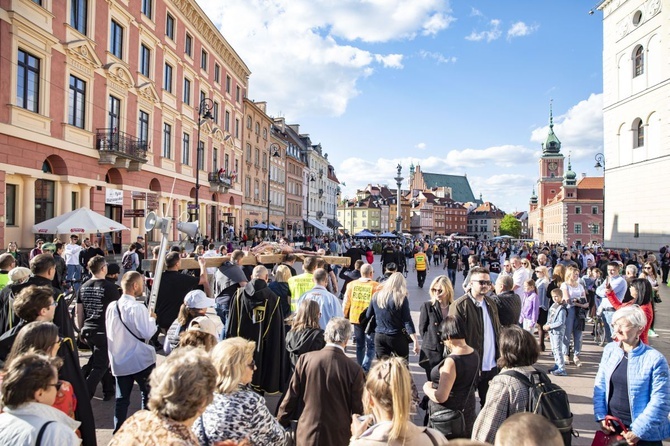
44 200
217 73
578 209
143 133
186 150
638 133
257 158
249 122
238 93
638 61
265 133
145 60
167 141
203 60
594 210
237 128
116 40
578 228
167 78
77 103
10 205
248 153
146 7
114 114
215 113
258 128
256 191
637 18
188 45
215 158
169 26
79 15
247 187
636 230
187 91
226 124
202 97
228 84
237 165
226 161
595 228
28 82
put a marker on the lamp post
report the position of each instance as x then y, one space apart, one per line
600 162
310 179
398 181
275 152
204 112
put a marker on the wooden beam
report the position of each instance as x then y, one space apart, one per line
248 259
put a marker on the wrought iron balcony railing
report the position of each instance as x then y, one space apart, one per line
121 144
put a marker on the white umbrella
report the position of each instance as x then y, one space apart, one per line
79 221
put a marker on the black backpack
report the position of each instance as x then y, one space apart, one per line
549 400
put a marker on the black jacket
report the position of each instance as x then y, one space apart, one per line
432 348
509 308
304 341
470 316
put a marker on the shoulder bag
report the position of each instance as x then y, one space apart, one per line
451 422
124 324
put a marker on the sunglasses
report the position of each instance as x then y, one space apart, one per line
57 385
647 267
436 290
483 282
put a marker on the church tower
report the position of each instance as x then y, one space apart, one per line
550 165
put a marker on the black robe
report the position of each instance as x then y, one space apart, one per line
71 369
256 315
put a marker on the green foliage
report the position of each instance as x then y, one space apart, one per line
510 226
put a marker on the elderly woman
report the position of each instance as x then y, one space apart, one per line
181 388
237 412
507 395
29 389
432 314
395 327
387 401
541 284
632 382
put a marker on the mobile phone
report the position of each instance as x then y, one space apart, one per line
364 418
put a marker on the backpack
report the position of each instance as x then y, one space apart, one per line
127 261
549 400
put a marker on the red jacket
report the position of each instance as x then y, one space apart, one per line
648 311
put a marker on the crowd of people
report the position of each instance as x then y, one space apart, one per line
234 333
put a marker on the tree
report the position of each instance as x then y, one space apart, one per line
510 226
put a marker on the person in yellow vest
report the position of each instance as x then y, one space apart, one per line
356 302
421 266
300 284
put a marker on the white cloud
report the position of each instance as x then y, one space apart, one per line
580 129
474 12
520 29
420 146
493 33
438 57
313 46
502 156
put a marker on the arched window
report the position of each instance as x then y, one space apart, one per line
638 61
638 133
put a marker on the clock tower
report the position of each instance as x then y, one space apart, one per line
551 166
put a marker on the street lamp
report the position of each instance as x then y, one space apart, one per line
398 219
204 113
275 152
311 180
600 162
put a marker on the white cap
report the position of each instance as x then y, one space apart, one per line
198 299
204 324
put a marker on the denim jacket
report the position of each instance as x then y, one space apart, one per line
648 389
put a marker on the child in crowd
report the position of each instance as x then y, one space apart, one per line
530 307
556 327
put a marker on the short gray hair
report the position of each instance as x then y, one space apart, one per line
633 314
259 272
338 330
632 269
506 282
366 270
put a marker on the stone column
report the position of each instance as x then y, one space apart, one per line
85 200
65 204
28 213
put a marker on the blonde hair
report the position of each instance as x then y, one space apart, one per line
282 274
231 358
558 275
445 283
390 385
183 384
544 270
395 287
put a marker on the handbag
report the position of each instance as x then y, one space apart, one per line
603 439
451 422
405 333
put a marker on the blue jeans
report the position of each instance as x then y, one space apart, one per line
365 347
570 331
222 312
451 273
556 339
124 385
607 315
73 275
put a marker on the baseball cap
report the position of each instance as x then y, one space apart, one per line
49 247
18 274
204 324
198 299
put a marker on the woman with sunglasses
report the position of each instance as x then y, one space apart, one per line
42 337
29 389
639 293
649 273
432 314
237 412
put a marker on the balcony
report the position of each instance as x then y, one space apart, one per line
121 149
220 181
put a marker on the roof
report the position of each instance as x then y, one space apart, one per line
591 183
460 187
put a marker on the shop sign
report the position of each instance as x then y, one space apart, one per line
114 197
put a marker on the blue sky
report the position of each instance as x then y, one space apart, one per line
460 87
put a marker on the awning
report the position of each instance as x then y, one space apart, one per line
318 225
334 223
